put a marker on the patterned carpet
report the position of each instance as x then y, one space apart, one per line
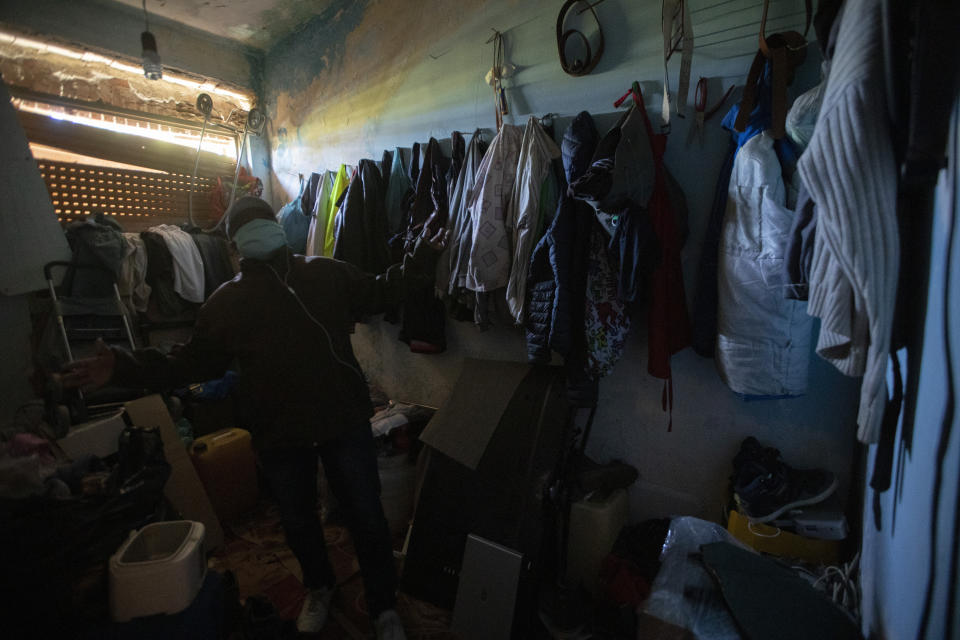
257 555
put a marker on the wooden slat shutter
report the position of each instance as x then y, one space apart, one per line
135 199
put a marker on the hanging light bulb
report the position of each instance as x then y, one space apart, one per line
152 67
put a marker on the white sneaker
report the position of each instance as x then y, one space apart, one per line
313 615
389 627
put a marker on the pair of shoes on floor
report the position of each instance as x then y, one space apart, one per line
316 608
765 487
388 626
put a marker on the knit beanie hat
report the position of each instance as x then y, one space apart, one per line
244 210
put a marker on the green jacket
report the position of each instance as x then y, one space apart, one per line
301 379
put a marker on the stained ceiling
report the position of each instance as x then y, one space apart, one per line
255 23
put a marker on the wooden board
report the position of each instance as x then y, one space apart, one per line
184 489
31 237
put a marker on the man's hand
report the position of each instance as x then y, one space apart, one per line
90 373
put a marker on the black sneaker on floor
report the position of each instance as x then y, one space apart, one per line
765 486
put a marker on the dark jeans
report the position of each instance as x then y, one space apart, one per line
350 463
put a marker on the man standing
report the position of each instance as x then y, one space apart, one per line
285 322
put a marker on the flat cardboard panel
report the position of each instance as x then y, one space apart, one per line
462 428
183 490
31 234
499 499
487 593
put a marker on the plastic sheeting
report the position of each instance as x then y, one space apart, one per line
684 594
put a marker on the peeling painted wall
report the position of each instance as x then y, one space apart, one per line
369 75
113 27
256 23
350 80
97 83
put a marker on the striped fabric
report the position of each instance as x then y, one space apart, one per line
850 172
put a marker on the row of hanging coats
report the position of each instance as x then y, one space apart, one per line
567 241
562 250
803 225
615 241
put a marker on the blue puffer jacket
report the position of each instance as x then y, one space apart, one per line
557 279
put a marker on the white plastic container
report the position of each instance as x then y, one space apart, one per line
595 524
100 437
158 569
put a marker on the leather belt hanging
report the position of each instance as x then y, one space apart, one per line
496 77
677 36
786 51
578 67
703 112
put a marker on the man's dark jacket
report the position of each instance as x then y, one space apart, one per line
303 382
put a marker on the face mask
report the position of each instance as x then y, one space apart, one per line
259 239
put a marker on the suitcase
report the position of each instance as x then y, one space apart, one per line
227 468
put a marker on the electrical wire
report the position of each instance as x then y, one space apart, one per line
333 351
761 534
146 18
841 585
196 166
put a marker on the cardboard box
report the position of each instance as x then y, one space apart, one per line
778 542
